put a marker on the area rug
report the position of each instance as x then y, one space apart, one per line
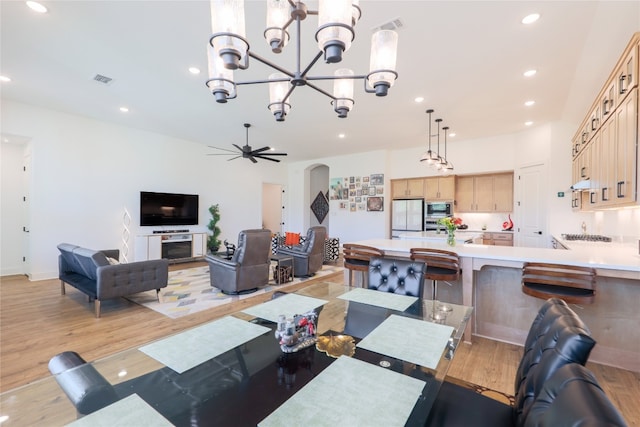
189 291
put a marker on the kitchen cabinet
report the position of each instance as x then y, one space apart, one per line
411 188
498 238
604 149
484 193
440 188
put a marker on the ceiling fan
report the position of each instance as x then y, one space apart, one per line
246 152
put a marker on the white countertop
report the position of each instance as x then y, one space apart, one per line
461 236
621 257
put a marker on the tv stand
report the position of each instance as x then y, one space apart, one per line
173 245
186 230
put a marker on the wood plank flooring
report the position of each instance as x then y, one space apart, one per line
37 322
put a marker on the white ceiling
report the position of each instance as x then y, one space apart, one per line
466 58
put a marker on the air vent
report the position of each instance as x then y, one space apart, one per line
394 24
103 79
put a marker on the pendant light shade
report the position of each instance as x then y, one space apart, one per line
278 12
343 92
228 28
278 88
220 81
335 32
382 64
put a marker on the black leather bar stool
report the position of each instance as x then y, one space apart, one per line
441 265
357 258
573 284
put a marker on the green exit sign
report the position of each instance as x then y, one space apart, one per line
560 193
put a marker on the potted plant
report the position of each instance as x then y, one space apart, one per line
213 241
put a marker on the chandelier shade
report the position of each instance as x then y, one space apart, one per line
227 21
334 35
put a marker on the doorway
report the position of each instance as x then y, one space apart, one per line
531 207
273 207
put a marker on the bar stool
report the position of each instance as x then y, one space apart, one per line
573 284
441 265
357 258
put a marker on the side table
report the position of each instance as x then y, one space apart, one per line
283 270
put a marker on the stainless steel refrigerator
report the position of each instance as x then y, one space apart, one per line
406 215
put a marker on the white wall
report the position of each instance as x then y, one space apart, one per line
346 225
86 172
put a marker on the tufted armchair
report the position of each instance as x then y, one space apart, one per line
248 267
307 257
397 276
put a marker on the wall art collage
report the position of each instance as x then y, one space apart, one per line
358 193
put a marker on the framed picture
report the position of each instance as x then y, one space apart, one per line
352 207
377 179
375 204
343 205
372 191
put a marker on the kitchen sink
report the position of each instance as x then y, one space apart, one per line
587 237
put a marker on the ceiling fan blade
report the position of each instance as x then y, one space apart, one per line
233 158
223 149
221 154
252 159
267 158
238 147
260 150
274 154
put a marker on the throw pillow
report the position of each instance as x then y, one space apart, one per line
113 261
292 238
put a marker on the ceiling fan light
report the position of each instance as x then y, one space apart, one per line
335 32
220 81
382 64
228 28
277 91
343 92
278 12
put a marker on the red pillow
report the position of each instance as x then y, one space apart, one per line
292 238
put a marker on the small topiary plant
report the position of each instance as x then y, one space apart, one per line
213 241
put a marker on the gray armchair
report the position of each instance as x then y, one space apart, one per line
247 269
307 257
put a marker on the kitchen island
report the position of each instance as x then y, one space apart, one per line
461 236
491 282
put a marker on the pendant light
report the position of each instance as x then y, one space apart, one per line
429 157
448 168
438 161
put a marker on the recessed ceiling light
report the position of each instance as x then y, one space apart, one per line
194 70
530 19
124 109
530 73
4 79
528 123
341 135
419 98
36 7
529 103
452 134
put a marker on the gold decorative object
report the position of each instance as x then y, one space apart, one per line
337 345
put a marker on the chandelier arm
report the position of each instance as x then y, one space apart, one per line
322 91
289 22
269 64
311 64
252 82
336 78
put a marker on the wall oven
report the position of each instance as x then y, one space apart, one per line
434 211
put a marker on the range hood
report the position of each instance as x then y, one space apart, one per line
584 184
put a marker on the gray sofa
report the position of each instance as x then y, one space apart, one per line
97 273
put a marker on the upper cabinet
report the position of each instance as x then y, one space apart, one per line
604 148
440 188
411 188
484 193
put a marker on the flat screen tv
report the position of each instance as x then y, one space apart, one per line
168 208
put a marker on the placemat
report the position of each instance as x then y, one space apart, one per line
411 340
188 349
350 392
289 305
130 411
379 299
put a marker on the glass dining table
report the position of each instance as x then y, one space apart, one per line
379 359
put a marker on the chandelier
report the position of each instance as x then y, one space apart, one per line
433 158
229 50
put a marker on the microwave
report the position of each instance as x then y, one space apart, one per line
438 209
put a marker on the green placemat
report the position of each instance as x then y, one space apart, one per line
379 299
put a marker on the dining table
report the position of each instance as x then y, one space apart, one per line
357 357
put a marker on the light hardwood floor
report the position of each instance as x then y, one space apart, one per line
36 323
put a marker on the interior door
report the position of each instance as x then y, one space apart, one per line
531 208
